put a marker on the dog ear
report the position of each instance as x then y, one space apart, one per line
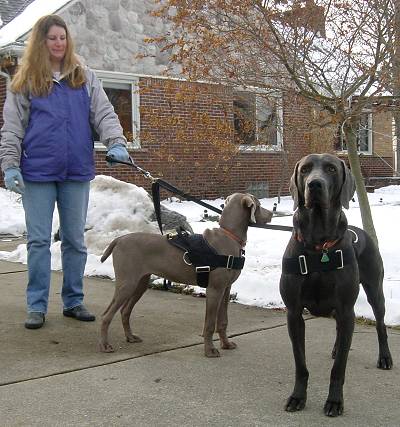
294 191
249 202
348 186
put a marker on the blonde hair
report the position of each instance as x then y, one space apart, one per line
34 75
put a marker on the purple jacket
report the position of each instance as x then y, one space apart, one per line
50 137
58 143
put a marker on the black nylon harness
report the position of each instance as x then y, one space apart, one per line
311 263
202 256
327 260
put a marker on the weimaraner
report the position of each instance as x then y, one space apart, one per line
138 255
322 267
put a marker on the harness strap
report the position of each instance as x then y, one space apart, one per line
203 257
155 192
204 263
213 261
306 264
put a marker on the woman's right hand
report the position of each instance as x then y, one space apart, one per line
13 180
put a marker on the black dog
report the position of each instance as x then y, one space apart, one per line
323 265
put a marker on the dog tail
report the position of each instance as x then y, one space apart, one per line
109 249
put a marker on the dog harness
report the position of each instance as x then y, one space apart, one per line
328 260
202 256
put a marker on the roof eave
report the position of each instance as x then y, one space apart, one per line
15 49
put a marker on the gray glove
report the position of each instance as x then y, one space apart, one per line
117 152
13 180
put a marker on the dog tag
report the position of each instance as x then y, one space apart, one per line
324 257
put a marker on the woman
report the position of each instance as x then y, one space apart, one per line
46 155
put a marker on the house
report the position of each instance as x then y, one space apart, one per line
208 140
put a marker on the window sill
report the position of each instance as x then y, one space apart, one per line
361 153
259 149
98 146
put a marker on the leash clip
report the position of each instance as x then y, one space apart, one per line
303 265
339 251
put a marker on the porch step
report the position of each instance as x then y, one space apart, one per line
382 181
370 188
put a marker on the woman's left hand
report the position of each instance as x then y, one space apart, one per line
117 152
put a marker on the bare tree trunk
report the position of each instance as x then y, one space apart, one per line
396 78
396 116
354 160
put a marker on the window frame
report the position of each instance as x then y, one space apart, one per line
369 136
278 147
133 82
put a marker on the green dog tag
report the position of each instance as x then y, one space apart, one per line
324 257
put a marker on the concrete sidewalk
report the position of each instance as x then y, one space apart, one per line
55 376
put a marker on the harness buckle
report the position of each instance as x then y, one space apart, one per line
303 265
203 269
184 258
339 251
229 262
171 235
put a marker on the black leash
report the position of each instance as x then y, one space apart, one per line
155 190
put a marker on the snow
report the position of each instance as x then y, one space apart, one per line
117 207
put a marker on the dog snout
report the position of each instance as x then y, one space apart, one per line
315 185
315 192
264 216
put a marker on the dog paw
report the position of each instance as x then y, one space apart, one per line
385 362
333 409
133 338
212 352
294 404
106 348
228 345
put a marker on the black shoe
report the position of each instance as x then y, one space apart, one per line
80 312
35 320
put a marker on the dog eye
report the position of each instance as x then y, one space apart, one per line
331 169
305 169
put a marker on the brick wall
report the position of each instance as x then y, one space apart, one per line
382 134
376 167
186 139
3 91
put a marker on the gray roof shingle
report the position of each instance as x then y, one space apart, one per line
9 9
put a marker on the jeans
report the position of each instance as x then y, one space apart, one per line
39 200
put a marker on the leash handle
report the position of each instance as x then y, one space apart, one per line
132 164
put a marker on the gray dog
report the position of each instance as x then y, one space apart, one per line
322 267
138 255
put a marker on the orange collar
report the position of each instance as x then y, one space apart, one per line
321 247
233 236
326 245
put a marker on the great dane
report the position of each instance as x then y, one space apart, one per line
322 267
138 255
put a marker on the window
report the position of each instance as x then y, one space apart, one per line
257 121
122 91
364 135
